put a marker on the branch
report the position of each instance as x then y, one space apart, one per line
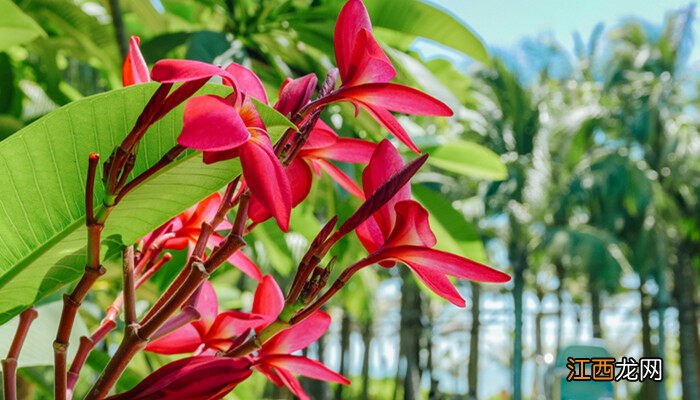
9 364
129 286
93 270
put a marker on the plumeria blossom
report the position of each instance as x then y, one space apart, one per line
224 128
322 147
214 331
193 378
183 231
276 361
400 232
366 71
134 69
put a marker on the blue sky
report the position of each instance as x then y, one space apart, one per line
501 23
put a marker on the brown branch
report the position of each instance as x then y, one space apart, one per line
129 286
9 364
168 158
138 336
93 270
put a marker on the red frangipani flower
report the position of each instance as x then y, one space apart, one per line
183 231
134 69
365 72
213 331
399 231
193 378
224 128
276 361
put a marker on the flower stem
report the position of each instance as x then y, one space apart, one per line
9 364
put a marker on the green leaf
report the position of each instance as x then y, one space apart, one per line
469 159
38 346
42 216
16 27
453 232
414 18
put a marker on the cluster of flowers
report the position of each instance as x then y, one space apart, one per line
390 225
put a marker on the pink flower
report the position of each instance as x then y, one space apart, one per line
399 232
214 331
193 378
183 232
276 361
228 128
322 147
365 72
134 69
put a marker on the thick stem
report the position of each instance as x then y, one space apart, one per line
129 286
93 270
198 272
9 364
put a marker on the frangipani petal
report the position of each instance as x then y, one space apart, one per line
369 64
446 263
247 82
352 18
241 261
305 367
193 378
185 339
397 98
391 124
171 71
134 69
267 179
212 124
268 300
412 227
438 283
300 179
207 305
295 94
385 162
356 151
298 336
291 382
230 324
320 137
341 178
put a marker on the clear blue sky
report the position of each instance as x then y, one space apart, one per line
501 23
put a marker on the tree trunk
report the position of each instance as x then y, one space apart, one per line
518 287
319 388
367 341
433 393
595 308
411 329
560 305
684 279
344 351
473 366
536 386
649 390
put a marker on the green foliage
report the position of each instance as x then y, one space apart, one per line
16 27
42 231
468 159
406 20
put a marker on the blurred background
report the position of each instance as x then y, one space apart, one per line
573 163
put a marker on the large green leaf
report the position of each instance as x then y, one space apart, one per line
469 159
42 175
16 27
38 346
413 18
453 232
